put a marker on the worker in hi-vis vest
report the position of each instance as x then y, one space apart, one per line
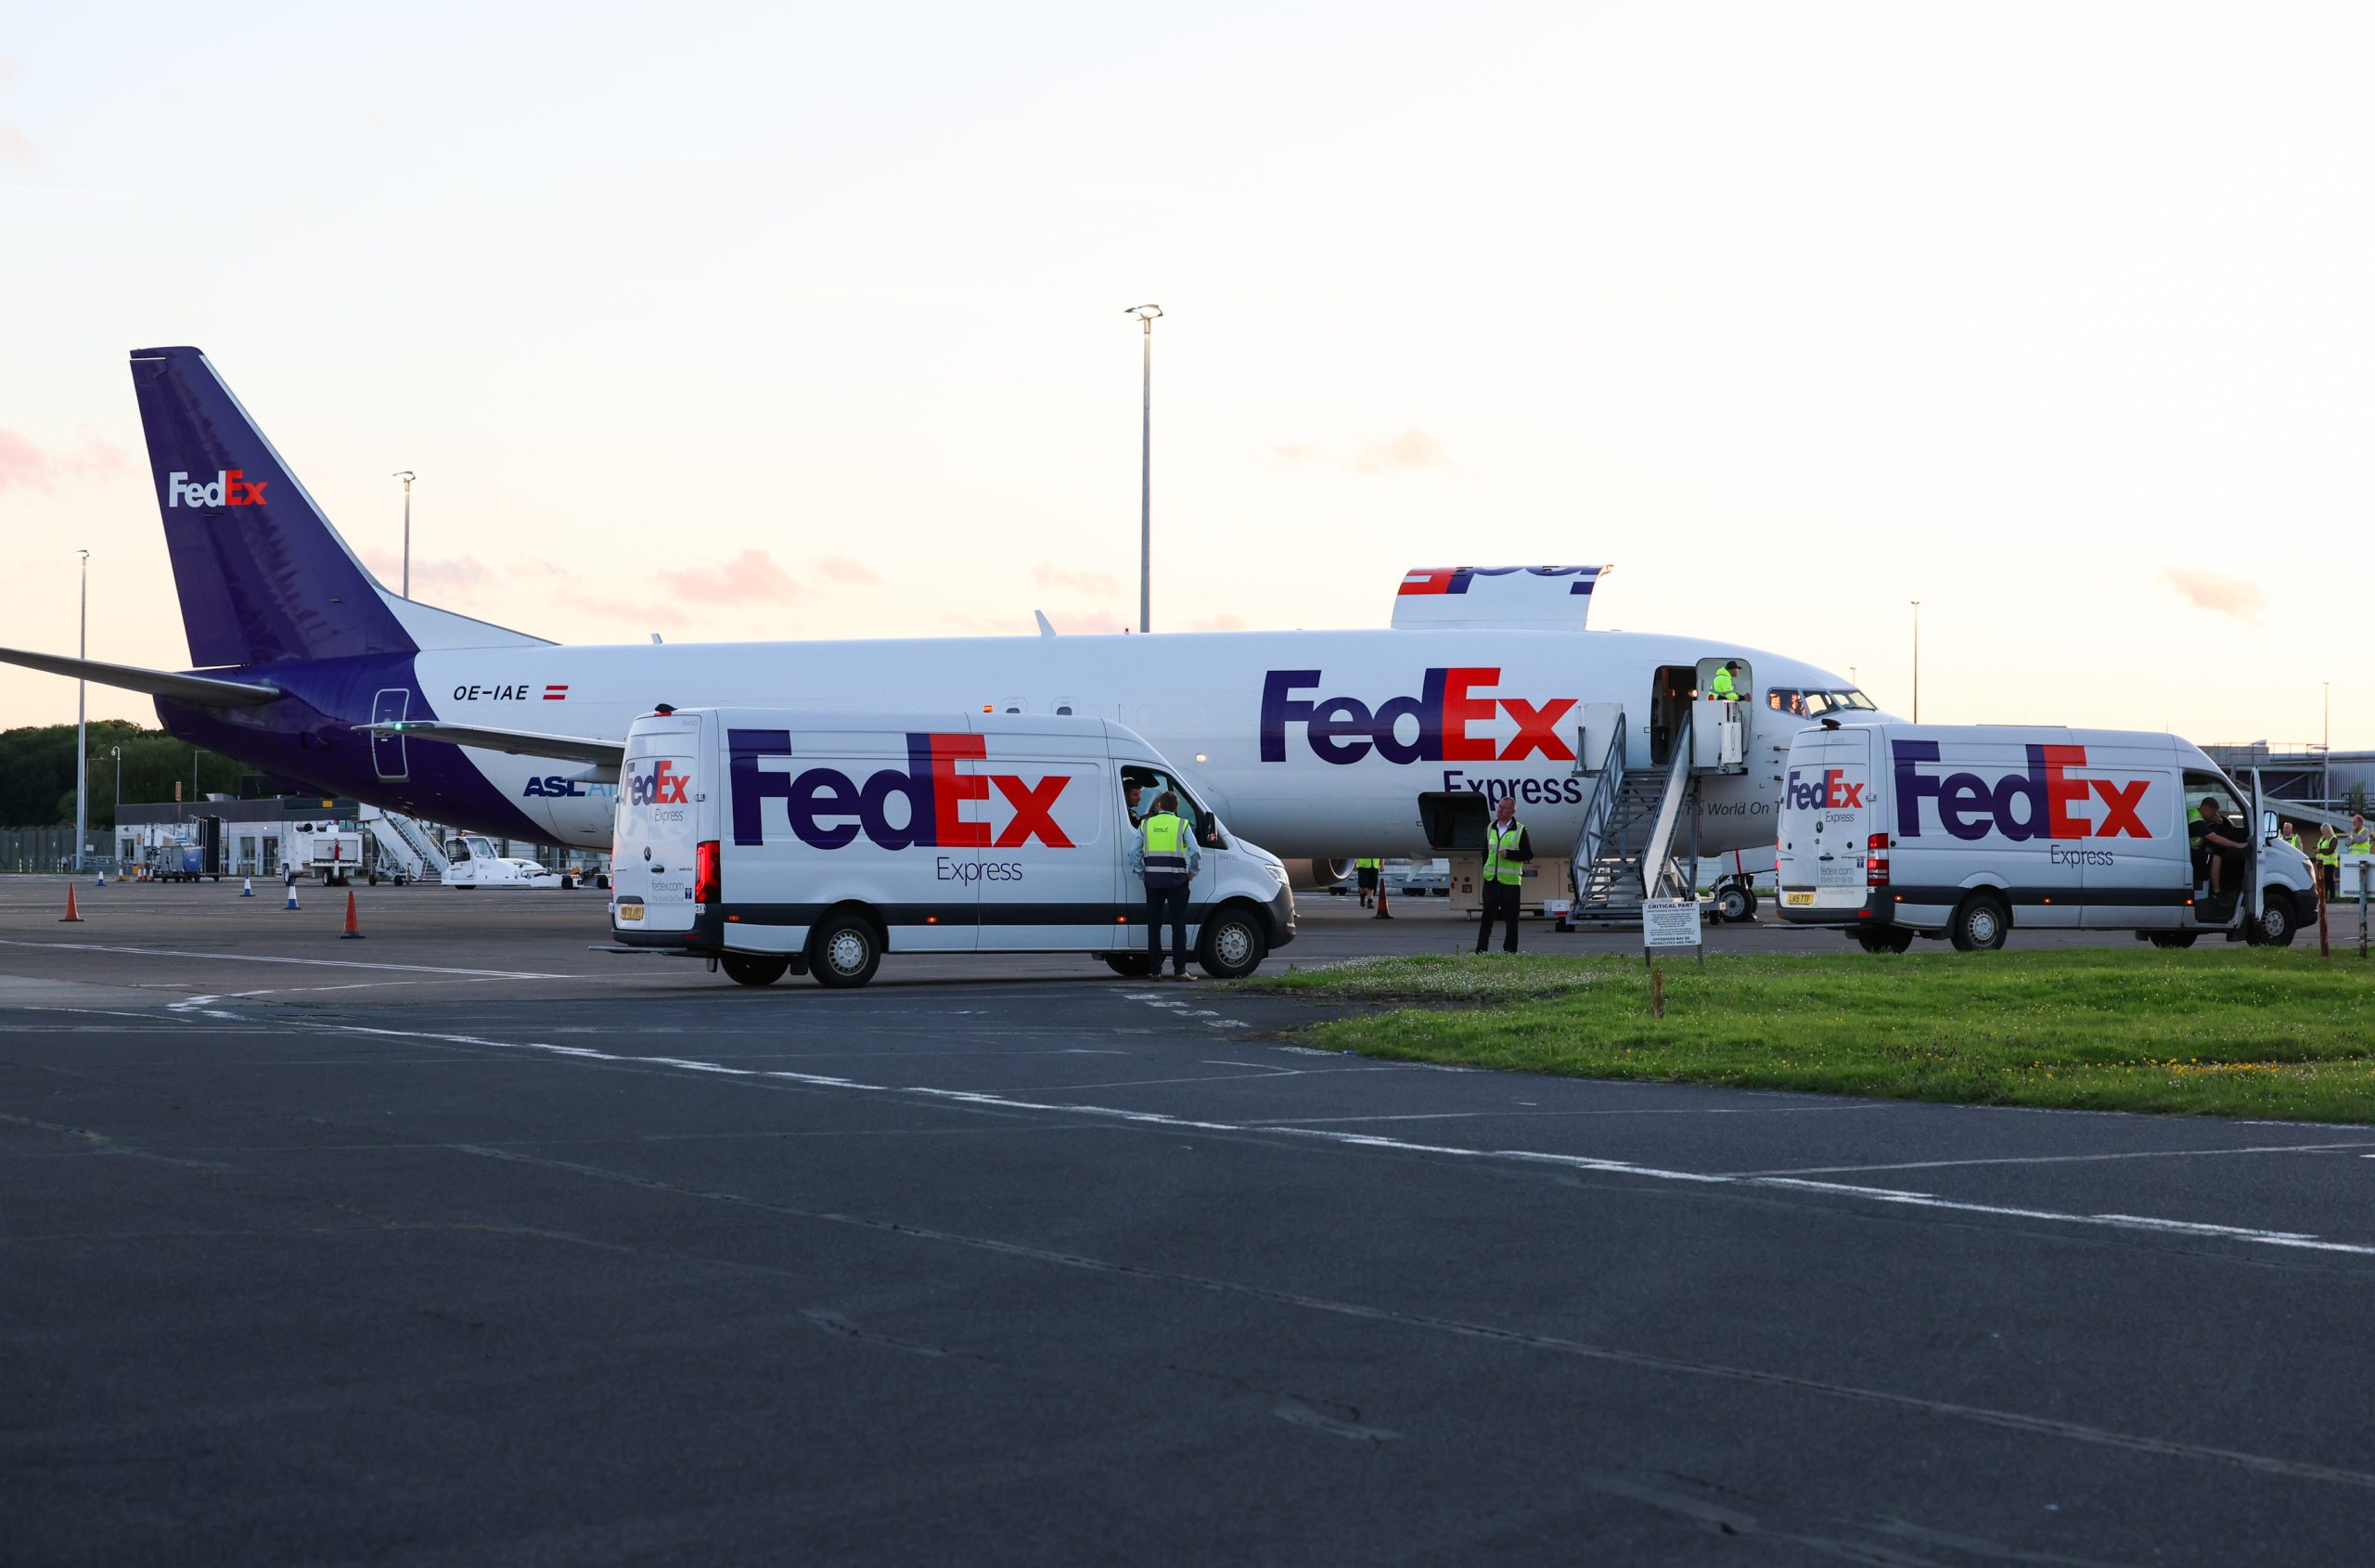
1166 857
1725 688
1507 849
2329 860
1365 873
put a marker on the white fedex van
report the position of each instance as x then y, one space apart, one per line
778 840
1893 831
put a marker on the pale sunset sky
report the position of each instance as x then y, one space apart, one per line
807 321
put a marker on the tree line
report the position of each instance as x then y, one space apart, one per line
37 771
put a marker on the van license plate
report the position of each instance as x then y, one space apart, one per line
631 911
1797 900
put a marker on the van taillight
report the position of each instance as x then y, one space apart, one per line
705 872
1876 861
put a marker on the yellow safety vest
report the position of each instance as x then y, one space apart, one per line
1163 837
2329 850
1499 845
2360 843
1722 689
1366 864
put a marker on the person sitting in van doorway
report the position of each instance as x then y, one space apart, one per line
1507 849
1725 688
1131 790
2217 847
1166 858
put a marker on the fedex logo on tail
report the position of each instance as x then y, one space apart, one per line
2044 802
229 487
1448 706
828 809
1831 791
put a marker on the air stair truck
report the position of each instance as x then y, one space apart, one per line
807 841
1891 831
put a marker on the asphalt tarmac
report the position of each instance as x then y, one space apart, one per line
466 1244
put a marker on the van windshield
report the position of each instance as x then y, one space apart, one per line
1812 704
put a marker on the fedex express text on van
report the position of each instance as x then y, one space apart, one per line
1970 806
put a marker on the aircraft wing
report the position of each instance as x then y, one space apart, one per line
203 691
609 754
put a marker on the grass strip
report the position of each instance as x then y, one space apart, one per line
2230 1031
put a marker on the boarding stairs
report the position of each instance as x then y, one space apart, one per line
1625 851
407 845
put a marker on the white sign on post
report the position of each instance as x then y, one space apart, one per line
1670 922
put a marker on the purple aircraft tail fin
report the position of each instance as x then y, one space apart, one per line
263 575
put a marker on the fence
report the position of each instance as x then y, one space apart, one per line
43 849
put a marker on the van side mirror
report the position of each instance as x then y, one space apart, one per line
2267 825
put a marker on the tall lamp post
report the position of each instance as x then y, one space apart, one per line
405 474
115 822
1917 660
81 729
1147 315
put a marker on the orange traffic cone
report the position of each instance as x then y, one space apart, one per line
350 934
70 914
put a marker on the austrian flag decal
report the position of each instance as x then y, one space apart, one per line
556 694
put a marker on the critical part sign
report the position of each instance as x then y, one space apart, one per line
1669 922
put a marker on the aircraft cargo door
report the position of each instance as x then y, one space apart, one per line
388 706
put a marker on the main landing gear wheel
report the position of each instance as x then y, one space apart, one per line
1231 945
745 968
1129 965
1891 941
844 951
1981 923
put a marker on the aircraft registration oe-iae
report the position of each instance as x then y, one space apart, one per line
1319 745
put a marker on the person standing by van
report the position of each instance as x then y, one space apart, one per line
2329 860
2361 838
1365 872
1507 849
1166 858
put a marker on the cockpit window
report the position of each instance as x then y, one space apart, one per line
1810 704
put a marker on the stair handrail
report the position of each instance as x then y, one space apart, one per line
1600 807
1657 855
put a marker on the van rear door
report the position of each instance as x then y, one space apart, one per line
655 841
1827 812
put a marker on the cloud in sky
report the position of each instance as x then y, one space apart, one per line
1050 576
840 568
26 464
14 149
459 577
1413 451
2215 591
751 577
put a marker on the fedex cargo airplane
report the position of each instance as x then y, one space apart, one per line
1312 743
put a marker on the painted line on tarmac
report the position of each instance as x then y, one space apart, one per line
2076 1159
2289 1239
318 963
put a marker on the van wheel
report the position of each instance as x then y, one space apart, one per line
743 968
1129 965
1735 902
844 950
1890 941
2173 938
1231 945
2276 923
1981 923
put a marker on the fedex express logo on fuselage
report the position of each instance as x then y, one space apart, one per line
1449 705
229 487
2042 802
828 809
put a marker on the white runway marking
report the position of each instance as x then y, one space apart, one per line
2077 1159
318 963
2287 1238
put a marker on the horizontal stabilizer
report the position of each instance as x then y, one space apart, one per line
610 755
202 691
1511 599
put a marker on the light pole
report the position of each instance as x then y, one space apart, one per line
115 822
1917 660
405 474
82 730
1147 315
